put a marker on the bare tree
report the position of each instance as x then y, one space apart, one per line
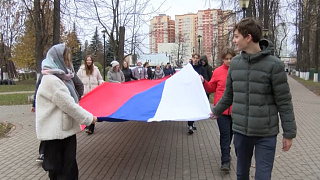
317 42
12 15
180 51
115 14
56 22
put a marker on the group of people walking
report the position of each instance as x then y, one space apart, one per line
250 89
125 74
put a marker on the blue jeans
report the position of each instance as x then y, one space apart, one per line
264 147
225 128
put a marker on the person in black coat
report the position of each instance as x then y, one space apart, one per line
207 67
149 70
167 70
127 72
201 71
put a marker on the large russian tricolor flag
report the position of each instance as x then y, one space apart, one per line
178 98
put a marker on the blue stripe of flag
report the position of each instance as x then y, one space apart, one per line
140 107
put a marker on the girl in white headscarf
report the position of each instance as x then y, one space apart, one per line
58 115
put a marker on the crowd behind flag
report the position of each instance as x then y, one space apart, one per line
178 98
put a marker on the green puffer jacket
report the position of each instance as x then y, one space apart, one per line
258 90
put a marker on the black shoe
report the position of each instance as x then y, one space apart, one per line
40 158
190 130
225 167
194 127
89 131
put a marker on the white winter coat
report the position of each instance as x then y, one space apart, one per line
58 116
91 81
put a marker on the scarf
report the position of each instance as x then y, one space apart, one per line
54 64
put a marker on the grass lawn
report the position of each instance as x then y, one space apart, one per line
25 85
17 99
14 99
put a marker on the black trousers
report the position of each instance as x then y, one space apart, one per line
226 133
190 123
41 147
60 158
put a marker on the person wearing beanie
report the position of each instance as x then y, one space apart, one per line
115 74
140 72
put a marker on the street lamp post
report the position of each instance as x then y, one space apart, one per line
199 40
104 55
244 4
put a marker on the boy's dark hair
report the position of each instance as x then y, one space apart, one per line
196 54
227 51
249 26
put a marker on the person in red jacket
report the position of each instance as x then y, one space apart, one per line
217 84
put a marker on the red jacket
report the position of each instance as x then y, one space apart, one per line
217 84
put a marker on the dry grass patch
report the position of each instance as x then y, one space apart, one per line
5 127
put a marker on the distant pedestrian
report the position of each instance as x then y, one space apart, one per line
127 72
158 73
259 93
201 71
149 70
167 70
90 76
58 114
139 71
115 74
217 85
207 67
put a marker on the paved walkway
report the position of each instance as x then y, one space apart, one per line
138 150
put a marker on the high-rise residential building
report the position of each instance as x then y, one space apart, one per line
214 30
206 32
161 31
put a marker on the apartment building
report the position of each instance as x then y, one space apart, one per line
162 30
205 32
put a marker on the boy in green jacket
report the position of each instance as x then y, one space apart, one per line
258 91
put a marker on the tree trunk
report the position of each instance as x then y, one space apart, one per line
306 49
121 44
56 22
39 46
4 72
300 36
317 43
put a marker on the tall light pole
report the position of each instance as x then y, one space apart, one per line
244 4
104 54
199 40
